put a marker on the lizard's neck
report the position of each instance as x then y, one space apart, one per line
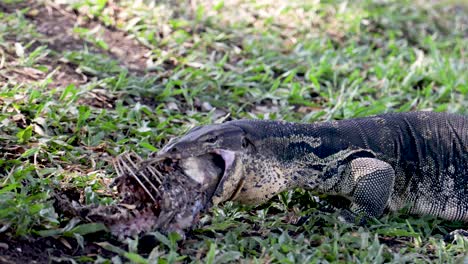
311 172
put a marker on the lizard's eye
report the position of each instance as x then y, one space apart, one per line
244 143
212 139
174 149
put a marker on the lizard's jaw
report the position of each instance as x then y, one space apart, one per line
228 157
209 169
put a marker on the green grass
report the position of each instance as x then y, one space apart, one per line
285 60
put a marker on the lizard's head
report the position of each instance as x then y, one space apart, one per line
225 143
204 139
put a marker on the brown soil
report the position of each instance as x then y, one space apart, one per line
28 251
63 74
46 250
54 249
57 25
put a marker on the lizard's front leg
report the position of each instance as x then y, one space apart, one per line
368 183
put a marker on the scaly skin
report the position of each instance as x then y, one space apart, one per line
417 160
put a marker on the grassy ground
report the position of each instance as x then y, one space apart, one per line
82 81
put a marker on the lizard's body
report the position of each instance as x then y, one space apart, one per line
417 160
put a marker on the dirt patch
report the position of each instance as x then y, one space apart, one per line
99 98
13 71
58 24
46 250
27 251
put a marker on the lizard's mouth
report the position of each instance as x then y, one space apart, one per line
225 160
215 163
209 169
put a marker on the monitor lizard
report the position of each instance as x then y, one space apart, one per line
414 160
